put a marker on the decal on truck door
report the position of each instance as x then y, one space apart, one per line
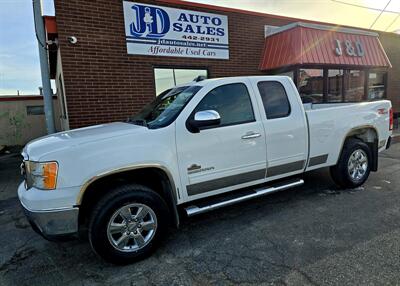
197 169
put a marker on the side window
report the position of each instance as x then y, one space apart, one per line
231 101
275 101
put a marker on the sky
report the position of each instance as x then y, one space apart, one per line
330 11
19 55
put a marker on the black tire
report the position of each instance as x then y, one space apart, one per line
340 172
105 209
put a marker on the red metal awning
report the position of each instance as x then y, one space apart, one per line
50 24
304 44
51 35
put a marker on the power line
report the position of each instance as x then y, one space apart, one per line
365 7
383 10
394 20
36 34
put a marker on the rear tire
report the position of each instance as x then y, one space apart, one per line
128 223
353 166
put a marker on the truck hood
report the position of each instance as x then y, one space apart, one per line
73 138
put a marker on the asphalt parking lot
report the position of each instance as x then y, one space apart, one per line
312 235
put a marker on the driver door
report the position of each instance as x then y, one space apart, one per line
229 155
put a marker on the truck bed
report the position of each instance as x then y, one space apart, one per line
330 123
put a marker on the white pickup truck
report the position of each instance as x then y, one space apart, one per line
196 148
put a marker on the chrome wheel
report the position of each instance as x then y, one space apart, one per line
357 165
132 227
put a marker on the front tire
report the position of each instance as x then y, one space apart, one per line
128 224
353 166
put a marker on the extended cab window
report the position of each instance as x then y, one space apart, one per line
231 101
275 101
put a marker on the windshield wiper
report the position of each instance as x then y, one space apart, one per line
140 122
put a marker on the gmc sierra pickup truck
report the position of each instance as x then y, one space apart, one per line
195 148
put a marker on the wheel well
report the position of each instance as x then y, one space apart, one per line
365 134
369 136
152 177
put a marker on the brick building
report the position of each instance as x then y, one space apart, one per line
111 71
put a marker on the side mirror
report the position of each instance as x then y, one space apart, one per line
204 118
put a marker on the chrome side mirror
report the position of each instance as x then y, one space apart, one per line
205 118
207 115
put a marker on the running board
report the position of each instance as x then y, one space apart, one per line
194 209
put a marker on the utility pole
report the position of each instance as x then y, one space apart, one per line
44 66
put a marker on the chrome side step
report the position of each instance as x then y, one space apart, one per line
194 210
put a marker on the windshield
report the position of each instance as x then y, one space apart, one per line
165 108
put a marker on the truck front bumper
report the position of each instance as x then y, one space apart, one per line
52 224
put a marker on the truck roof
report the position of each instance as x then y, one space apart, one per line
221 79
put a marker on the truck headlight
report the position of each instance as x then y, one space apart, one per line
42 175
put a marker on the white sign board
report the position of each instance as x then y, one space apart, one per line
163 31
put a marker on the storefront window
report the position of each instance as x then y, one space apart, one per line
354 85
340 85
184 76
166 78
310 85
335 86
376 85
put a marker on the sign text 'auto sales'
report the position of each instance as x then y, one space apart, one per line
163 31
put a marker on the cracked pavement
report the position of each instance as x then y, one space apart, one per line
311 235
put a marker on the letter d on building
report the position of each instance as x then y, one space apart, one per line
149 22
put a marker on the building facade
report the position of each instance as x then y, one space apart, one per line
113 57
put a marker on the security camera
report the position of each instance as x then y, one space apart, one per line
72 40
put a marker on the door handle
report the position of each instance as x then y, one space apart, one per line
251 135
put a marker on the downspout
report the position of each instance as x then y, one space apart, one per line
44 66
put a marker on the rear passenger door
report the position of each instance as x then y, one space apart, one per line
284 124
229 155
